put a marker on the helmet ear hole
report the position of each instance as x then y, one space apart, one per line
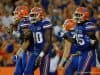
87 16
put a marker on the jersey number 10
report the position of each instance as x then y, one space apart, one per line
39 37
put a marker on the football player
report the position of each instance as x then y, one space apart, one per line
83 44
68 27
41 28
26 40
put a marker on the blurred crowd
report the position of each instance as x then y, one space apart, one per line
57 11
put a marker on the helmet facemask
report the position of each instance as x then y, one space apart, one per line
33 17
78 17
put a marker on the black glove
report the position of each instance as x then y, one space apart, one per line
38 61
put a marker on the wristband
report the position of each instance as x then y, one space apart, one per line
42 54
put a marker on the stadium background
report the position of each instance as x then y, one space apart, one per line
57 11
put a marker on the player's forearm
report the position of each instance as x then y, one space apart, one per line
47 45
23 47
67 48
48 40
44 50
27 36
97 35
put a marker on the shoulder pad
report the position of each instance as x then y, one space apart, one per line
46 23
46 19
90 25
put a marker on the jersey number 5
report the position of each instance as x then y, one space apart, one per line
80 39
